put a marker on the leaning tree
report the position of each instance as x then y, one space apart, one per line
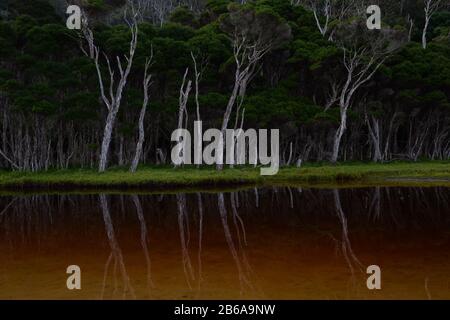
363 53
253 33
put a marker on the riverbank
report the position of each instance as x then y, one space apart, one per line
399 173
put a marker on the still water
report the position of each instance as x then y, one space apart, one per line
270 243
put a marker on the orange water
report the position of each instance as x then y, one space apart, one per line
294 247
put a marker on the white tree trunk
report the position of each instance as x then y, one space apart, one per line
374 132
141 139
115 92
140 143
424 32
338 136
107 134
431 6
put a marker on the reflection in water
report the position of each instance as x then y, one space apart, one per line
242 266
116 253
183 224
144 239
200 238
6 208
375 207
346 246
238 223
258 243
256 198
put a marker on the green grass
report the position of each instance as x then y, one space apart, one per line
399 173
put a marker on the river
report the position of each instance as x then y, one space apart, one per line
267 243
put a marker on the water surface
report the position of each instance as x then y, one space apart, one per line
271 243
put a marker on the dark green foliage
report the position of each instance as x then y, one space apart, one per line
44 74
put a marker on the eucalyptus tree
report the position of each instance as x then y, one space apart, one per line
146 86
253 33
430 8
114 91
364 52
158 11
185 90
52 114
198 71
327 12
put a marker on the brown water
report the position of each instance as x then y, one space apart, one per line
273 243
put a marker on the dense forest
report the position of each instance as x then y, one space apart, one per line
112 93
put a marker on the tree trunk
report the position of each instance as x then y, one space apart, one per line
110 121
424 32
338 136
374 132
227 115
140 143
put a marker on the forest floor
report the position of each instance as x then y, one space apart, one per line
429 173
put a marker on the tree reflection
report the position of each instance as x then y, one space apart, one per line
242 266
200 239
43 226
116 252
183 226
144 239
346 246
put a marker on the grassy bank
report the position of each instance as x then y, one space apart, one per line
424 173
